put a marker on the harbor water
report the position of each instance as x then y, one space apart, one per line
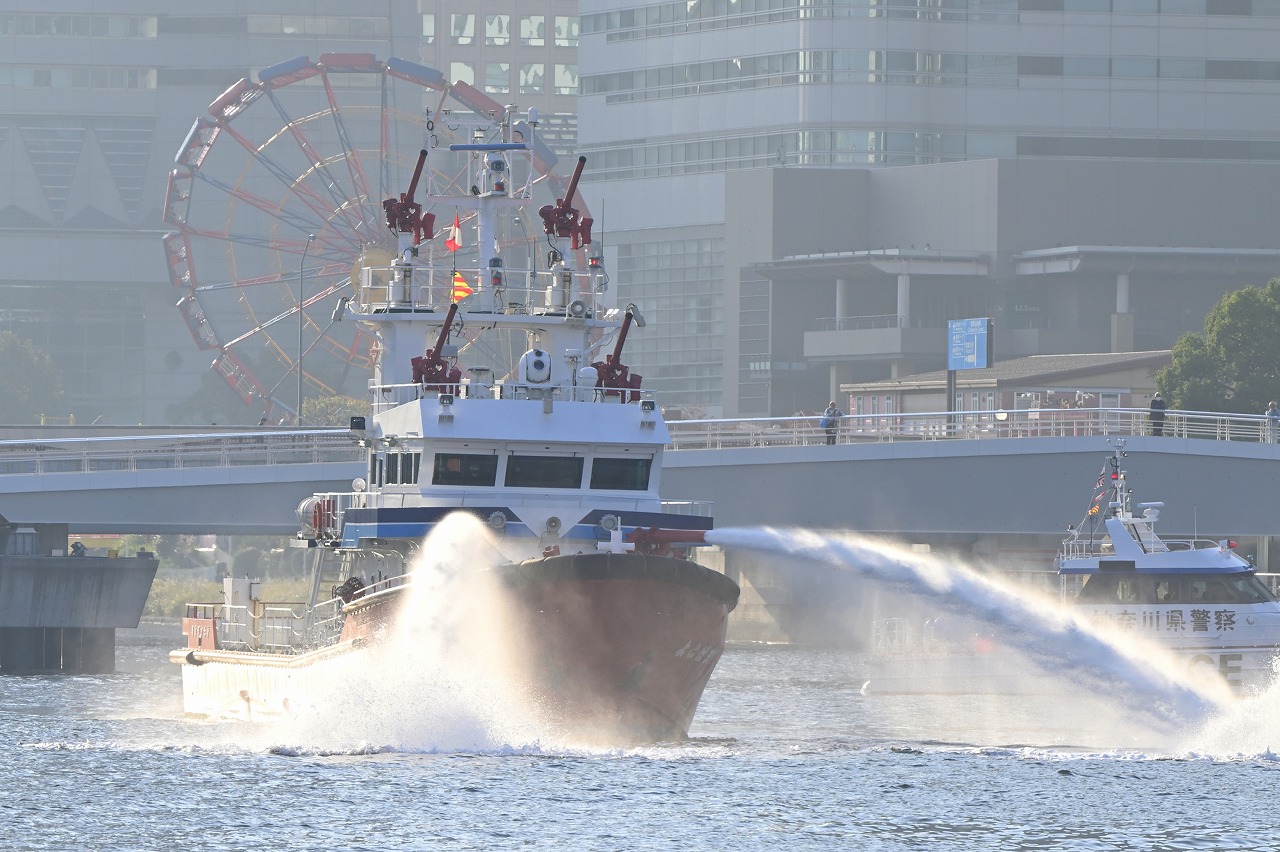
786 752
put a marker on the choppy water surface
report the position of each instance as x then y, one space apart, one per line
785 753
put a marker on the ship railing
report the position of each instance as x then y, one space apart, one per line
386 397
432 284
860 427
1085 548
691 508
280 627
324 624
266 626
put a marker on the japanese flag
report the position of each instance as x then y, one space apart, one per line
454 241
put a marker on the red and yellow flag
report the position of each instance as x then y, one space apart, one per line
461 289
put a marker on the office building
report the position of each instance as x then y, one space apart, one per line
803 192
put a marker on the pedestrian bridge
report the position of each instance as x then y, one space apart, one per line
920 474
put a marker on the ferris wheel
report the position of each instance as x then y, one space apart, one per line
276 204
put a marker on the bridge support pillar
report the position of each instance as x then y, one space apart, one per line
73 650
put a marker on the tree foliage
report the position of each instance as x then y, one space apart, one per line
29 381
332 410
1234 365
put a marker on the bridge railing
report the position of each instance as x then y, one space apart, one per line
314 446
176 452
965 425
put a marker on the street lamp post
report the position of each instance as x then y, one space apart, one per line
301 264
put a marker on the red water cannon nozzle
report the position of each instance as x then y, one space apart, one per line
561 219
404 215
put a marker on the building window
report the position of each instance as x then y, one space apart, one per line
566 31
111 26
532 29
462 72
497 78
463 28
42 77
428 29
497 29
531 79
566 80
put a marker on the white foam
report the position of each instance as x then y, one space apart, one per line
448 680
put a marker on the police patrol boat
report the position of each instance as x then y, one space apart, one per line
499 392
1197 598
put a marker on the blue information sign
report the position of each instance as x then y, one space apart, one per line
968 344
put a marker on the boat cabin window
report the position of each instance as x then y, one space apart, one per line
1249 589
465 469
544 471
1165 590
402 468
620 474
1112 588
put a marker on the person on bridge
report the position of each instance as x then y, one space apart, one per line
831 421
1157 414
1273 421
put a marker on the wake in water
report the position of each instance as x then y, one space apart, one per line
1146 679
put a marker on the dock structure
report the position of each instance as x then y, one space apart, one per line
59 612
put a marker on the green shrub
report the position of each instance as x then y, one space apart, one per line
170 594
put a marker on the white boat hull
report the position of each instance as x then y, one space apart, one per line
255 687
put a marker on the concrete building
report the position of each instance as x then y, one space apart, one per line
96 101
802 193
1038 394
517 53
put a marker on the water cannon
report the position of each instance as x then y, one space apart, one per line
613 374
404 215
432 370
668 542
562 219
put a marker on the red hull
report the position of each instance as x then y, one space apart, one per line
618 646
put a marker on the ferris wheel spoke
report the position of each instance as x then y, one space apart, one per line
303 193
305 224
338 198
292 311
355 168
312 274
276 244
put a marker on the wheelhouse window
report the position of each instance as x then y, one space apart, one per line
620 474
1110 588
464 469
402 468
544 472
1163 589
